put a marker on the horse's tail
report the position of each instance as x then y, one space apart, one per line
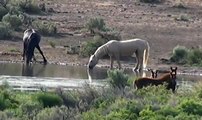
146 55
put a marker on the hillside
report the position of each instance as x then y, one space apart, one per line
164 25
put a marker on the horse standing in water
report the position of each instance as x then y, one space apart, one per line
116 49
31 41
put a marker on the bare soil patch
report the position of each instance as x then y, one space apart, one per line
160 24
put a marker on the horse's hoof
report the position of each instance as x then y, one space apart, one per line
135 70
45 62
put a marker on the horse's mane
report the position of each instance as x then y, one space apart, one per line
101 51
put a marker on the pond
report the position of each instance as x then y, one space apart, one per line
38 76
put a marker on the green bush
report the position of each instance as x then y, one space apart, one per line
57 113
195 57
182 55
179 54
5 31
28 6
96 24
12 20
49 99
29 109
117 79
45 28
3 11
89 47
191 107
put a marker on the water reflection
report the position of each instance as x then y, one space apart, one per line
28 70
73 74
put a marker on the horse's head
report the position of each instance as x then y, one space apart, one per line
173 72
92 61
173 75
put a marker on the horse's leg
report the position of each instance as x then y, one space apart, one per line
111 62
24 50
137 60
118 61
44 59
141 60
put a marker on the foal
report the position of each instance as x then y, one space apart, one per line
169 78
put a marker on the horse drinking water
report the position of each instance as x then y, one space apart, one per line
31 40
115 49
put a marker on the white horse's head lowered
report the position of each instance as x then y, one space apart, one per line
92 61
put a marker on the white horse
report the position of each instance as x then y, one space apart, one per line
116 49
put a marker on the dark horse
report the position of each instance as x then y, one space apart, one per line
31 41
169 78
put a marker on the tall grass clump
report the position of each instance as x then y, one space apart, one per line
117 79
45 28
179 54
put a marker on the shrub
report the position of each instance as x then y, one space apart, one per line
168 111
195 57
191 107
28 6
45 28
179 54
12 20
117 78
96 23
29 109
184 18
5 31
89 47
57 113
146 114
52 44
49 99
3 11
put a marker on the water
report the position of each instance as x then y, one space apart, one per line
38 76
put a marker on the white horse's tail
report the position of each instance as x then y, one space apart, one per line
146 56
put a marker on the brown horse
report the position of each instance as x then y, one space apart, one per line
169 78
31 41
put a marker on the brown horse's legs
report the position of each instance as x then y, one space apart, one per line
44 59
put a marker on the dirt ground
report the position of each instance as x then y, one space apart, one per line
164 25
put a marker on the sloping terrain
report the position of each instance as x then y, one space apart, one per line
164 25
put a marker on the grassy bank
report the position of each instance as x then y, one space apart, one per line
118 101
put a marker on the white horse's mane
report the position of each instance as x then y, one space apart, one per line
101 51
